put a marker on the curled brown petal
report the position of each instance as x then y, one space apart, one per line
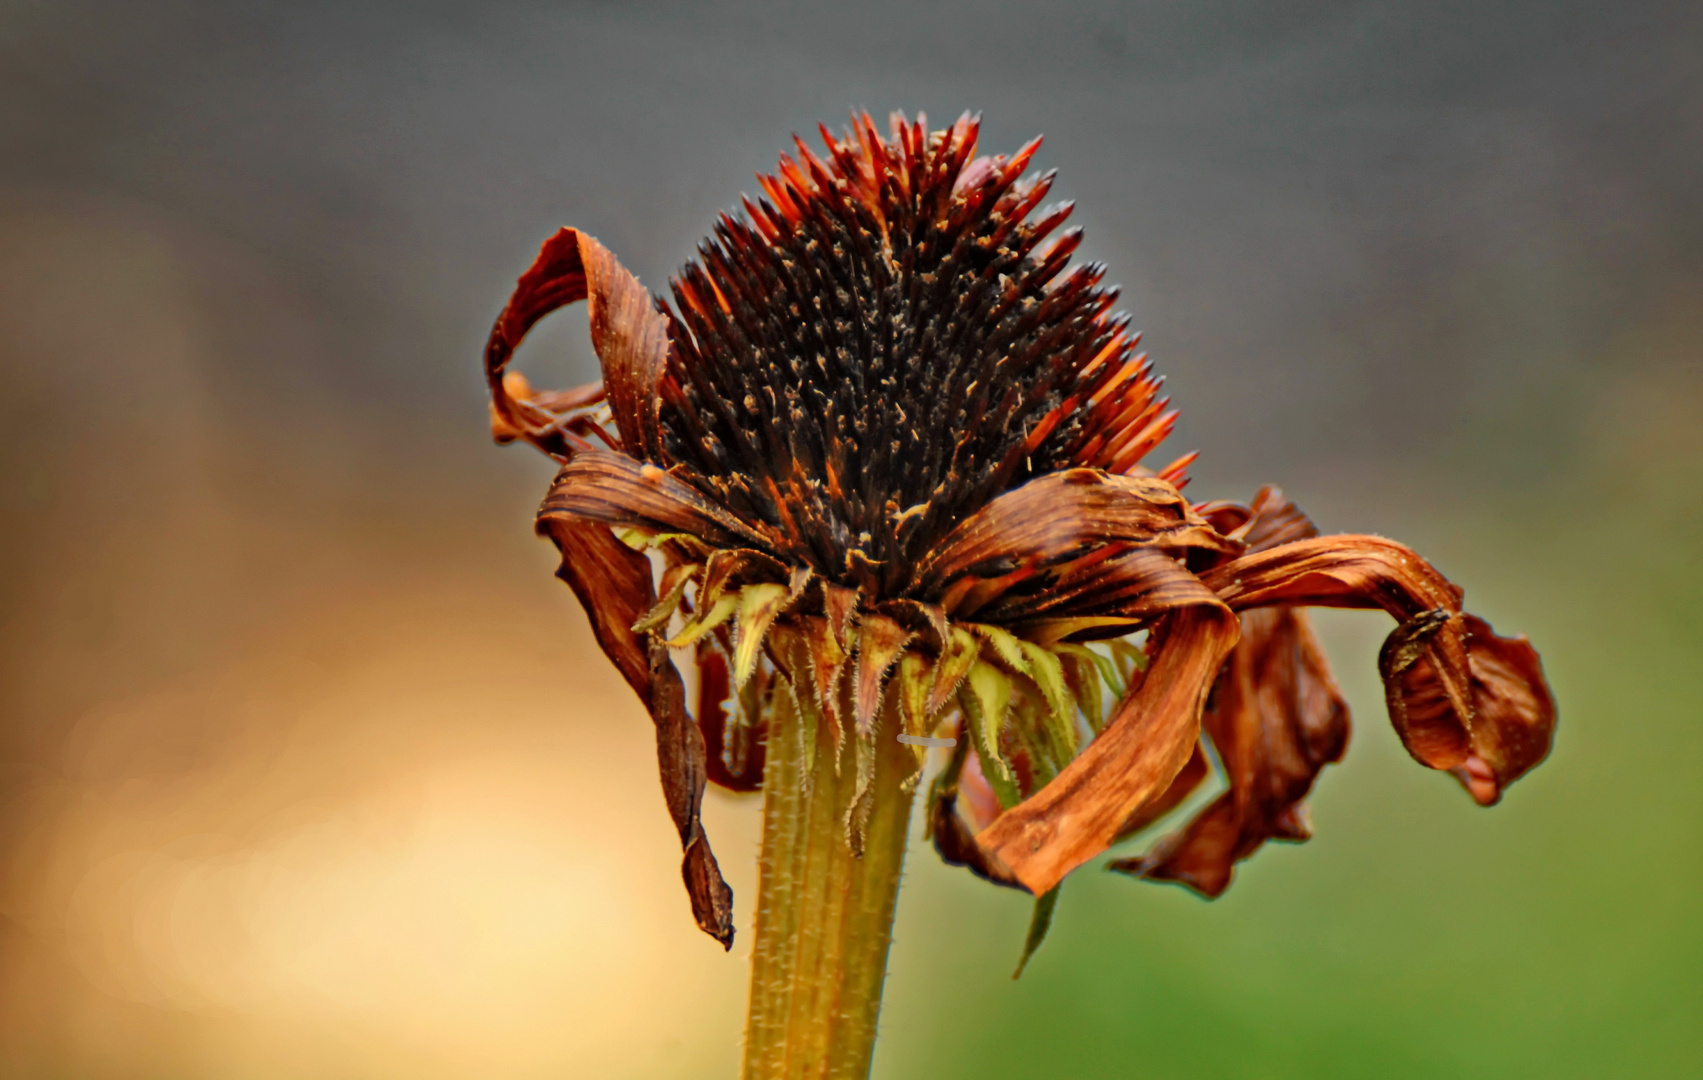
613 584
555 279
1133 761
1461 697
1061 514
1335 571
597 485
1182 786
631 339
1417 689
1276 719
957 846
1372 572
1515 721
551 411
680 758
629 334
1275 520
1267 521
1133 584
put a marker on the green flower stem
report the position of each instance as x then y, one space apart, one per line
824 914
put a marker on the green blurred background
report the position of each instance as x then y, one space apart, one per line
309 768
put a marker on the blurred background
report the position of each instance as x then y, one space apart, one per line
309 768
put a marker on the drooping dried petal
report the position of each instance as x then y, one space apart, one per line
681 758
1184 785
1514 712
1423 692
953 837
552 419
1267 521
1491 717
1276 719
1372 572
1135 759
1107 594
613 584
631 339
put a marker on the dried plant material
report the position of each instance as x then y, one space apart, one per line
733 746
1133 761
884 442
613 584
1276 719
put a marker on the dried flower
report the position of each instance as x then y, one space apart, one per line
881 455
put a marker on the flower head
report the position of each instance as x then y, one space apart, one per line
883 450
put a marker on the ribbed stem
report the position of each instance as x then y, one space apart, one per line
824 914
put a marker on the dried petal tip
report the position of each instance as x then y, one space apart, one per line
1514 721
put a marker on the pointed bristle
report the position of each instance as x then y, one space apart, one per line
885 334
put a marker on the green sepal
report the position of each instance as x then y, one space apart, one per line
1006 645
754 700
758 606
1048 674
719 612
637 539
804 700
1027 729
1040 921
1083 671
657 617
1129 660
986 698
916 674
862 802
959 654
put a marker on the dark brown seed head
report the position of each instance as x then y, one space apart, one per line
888 339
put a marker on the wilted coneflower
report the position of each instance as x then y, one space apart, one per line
875 476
